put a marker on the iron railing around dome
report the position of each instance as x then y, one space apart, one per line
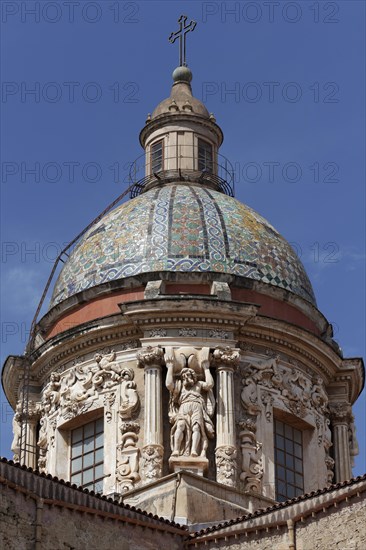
182 164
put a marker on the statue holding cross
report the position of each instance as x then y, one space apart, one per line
181 34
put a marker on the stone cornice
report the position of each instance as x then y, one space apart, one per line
175 310
165 119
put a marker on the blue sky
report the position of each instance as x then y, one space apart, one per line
286 82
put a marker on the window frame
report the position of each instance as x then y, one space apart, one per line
157 142
208 144
288 457
85 454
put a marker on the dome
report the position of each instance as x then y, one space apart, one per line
181 98
182 228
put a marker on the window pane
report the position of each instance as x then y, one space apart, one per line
76 478
290 476
289 446
281 487
98 487
299 480
99 425
77 435
289 461
290 491
99 455
88 460
281 473
280 442
99 440
99 471
298 465
76 464
157 157
89 430
281 457
297 436
288 431
88 444
204 155
77 449
279 427
88 476
298 450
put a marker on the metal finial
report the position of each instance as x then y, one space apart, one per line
181 34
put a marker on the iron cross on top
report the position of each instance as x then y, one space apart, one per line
181 34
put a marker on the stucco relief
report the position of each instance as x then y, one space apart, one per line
128 453
43 443
73 393
151 462
226 465
192 403
127 471
290 387
251 459
265 384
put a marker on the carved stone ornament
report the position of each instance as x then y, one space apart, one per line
73 392
127 471
226 465
157 332
43 443
187 332
130 401
251 463
267 400
151 462
340 412
295 390
226 356
191 404
51 394
217 333
108 402
150 356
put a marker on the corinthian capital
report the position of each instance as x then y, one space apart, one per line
226 357
340 411
150 357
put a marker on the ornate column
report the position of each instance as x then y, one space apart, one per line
151 360
226 361
341 415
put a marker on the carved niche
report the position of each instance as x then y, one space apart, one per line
192 402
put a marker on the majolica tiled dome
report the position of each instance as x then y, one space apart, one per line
186 228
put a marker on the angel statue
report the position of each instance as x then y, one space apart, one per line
190 410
